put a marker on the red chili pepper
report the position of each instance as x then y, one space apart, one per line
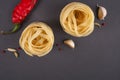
20 12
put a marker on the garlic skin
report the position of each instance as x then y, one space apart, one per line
70 43
102 12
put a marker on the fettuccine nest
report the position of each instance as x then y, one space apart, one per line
77 19
37 39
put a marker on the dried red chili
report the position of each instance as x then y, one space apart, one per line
19 13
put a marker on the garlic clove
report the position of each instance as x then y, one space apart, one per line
70 43
102 12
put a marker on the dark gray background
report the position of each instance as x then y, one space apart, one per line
96 57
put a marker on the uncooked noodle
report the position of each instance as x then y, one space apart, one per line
77 19
37 39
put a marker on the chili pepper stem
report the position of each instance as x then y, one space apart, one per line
16 27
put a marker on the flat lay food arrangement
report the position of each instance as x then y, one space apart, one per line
59 40
76 18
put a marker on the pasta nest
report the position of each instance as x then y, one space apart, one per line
77 19
37 39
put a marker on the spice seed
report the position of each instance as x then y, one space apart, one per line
19 48
103 24
11 49
60 49
97 24
57 44
16 54
3 51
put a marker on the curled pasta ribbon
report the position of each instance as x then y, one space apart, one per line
77 19
37 39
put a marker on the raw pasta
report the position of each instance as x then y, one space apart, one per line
37 39
77 19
